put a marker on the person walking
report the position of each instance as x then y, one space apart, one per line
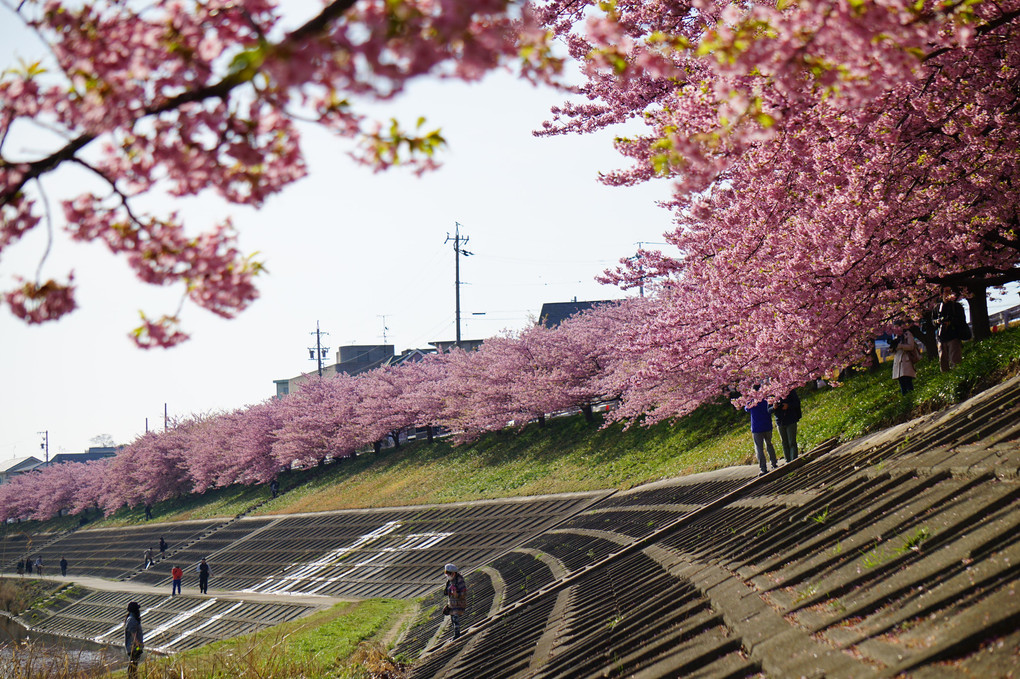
38 565
176 575
162 547
905 357
761 433
456 592
133 642
149 558
203 576
787 414
21 567
274 488
950 329
28 565
63 567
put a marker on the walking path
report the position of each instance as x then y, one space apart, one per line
130 586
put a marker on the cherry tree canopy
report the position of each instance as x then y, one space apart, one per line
833 161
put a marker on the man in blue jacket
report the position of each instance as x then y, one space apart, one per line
761 432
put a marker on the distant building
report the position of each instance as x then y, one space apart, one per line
19 465
443 346
351 359
554 313
93 453
410 356
355 359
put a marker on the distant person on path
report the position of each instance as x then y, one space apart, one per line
28 565
203 576
951 329
787 413
162 547
274 488
456 591
63 567
133 642
905 357
148 512
761 433
176 575
149 558
38 565
21 568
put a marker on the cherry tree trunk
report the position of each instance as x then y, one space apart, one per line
978 303
927 336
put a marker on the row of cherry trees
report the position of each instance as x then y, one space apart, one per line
511 380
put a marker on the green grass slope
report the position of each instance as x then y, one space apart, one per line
569 454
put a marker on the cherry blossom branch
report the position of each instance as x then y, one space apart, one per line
49 230
219 90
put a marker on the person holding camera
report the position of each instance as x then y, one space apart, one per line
950 329
456 592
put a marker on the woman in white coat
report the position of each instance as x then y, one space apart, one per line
906 355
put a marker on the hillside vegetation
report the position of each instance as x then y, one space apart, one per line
569 454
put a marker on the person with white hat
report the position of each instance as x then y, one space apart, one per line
456 591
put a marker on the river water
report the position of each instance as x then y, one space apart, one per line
30 654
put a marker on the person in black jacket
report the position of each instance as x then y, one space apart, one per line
133 642
950 329
787 412
203 576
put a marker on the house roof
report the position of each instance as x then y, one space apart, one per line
410 356
554 313
19 464
97 454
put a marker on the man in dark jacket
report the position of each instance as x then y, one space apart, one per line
787 412
203 576
951 329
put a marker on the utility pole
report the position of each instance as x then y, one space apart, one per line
640 243
45 444
166 418
458 251
318 352
384 328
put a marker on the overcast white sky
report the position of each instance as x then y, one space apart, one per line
343 247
